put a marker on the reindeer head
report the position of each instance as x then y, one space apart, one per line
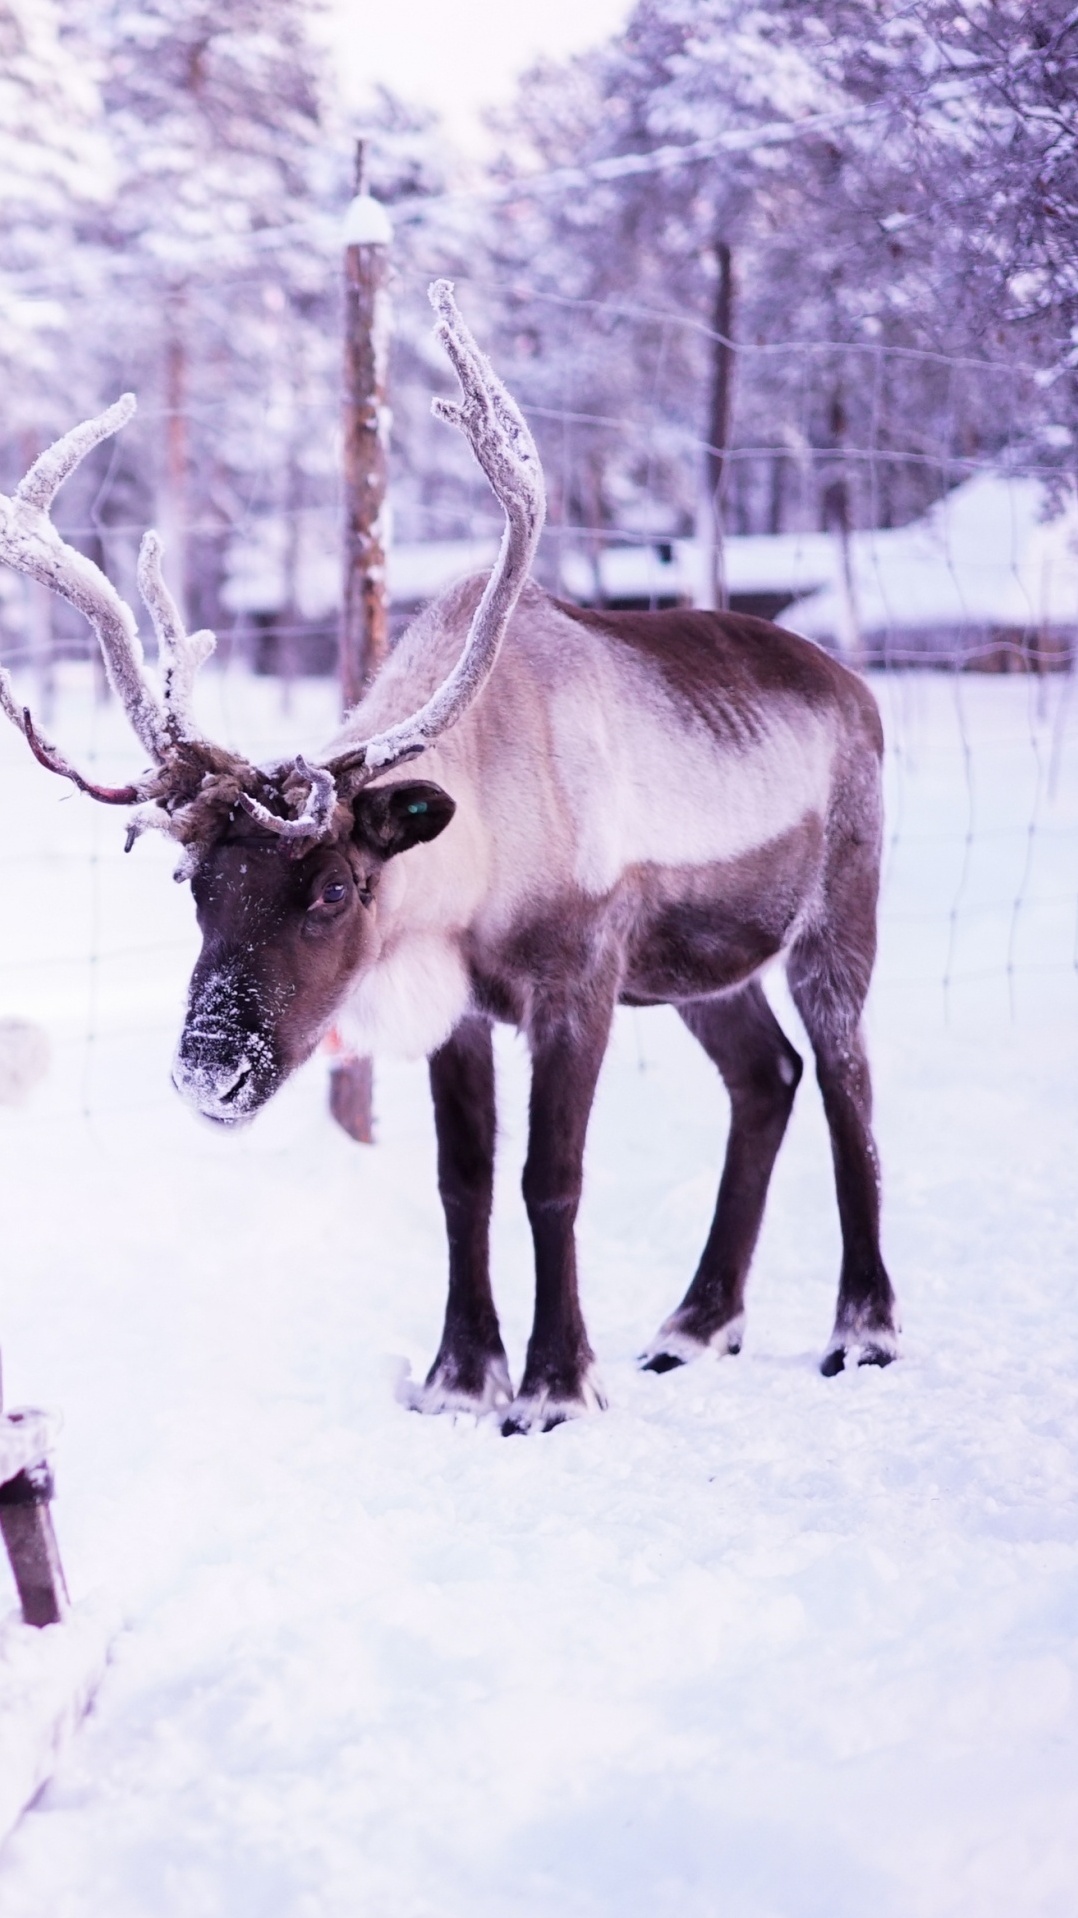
285 860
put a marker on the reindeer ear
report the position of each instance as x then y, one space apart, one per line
389 819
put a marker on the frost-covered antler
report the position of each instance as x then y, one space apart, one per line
181 653
53 759
31 544
316 816
496 430
196 786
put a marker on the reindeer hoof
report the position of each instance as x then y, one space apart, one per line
876 1355
456 1390
660 1362
543 1409
859 1348
673 1345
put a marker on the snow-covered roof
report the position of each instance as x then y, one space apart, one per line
414 573
792 563
986 556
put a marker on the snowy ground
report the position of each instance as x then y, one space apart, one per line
754 1643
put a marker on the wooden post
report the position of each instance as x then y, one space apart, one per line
363 629
25 1519
26 1528
718 429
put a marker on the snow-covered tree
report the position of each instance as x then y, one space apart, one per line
706 125
976 108
54 169
215 231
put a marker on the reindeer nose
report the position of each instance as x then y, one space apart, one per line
221 1088
229 1088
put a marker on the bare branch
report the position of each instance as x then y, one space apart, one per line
499 437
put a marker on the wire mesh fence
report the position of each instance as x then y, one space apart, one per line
882 502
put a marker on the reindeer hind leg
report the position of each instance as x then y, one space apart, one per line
829 971
761 1070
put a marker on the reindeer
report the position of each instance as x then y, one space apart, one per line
618 808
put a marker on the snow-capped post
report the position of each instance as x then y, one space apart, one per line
53 1656
715 591
363 632
367 237
25 1519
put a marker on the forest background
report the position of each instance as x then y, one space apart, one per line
889 187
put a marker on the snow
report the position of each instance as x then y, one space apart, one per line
366 223
47 1679
751 1641
987 556
26 1437
417 571
793 563
24 1059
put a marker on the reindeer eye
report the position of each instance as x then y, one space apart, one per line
334 892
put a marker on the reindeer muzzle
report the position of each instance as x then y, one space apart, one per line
225 1067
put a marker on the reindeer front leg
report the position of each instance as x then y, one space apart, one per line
568 1042
470 1373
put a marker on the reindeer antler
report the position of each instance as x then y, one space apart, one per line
315 817
197 786
30 542
181 653
499 437
53 759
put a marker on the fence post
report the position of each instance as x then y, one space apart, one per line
363 631
25 1519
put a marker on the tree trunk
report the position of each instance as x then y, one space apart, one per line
837 514
718 431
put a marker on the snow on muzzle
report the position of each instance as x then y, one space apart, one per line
224 1065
